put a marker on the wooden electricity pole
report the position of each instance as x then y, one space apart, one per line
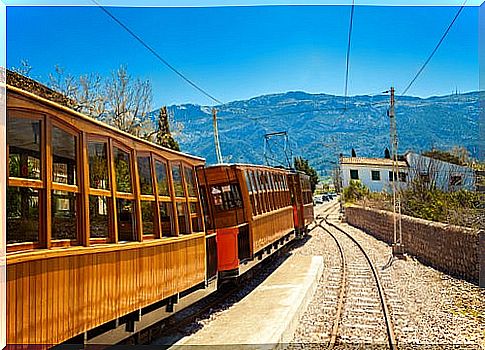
216 137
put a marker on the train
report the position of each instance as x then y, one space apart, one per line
107 233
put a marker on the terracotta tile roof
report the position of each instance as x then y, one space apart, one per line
371 161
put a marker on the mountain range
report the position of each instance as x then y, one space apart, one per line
321 126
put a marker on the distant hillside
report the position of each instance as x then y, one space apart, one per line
319 128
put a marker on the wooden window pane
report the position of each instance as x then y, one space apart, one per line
162 179
166 217
197 224
64 157
126 220
22 215
148 217
99 216
190 181
122 170
177 180
145 175
98 165
24 140
64 215
248 181
182 218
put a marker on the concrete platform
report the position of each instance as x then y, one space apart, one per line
267 317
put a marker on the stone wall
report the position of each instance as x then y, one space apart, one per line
452 249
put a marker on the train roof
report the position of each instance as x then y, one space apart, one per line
58 101
246 165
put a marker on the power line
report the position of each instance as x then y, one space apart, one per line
435 49
160 58
348 50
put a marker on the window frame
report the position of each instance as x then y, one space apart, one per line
375 178
110 193
352 172
76 189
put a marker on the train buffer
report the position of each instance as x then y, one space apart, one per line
269 315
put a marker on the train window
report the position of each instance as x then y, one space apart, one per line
148 217
122 170
126 220
162 178
145 175
99 216
182 218
197 224
165 210
22 215
248 181
190 181
24 141
205 206
64 157
226 197
177 180
98 165
64 215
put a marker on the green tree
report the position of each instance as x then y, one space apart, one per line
302 165
163 136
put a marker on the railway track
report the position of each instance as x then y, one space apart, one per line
361 311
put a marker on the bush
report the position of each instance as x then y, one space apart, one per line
356 190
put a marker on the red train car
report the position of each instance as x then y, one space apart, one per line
302 201
248 209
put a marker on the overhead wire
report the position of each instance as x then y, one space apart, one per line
348 51
155 53
434 51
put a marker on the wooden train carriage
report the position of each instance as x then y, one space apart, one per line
302 201
248 208
100 224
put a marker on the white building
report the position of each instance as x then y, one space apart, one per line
444 175
374 173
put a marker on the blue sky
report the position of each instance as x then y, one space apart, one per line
241 52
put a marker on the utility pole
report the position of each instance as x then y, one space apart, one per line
397 246
216 137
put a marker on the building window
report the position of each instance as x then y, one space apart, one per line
403 176
424 177
456 180
391 177
376 175
354 174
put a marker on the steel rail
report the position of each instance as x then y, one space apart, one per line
385 310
